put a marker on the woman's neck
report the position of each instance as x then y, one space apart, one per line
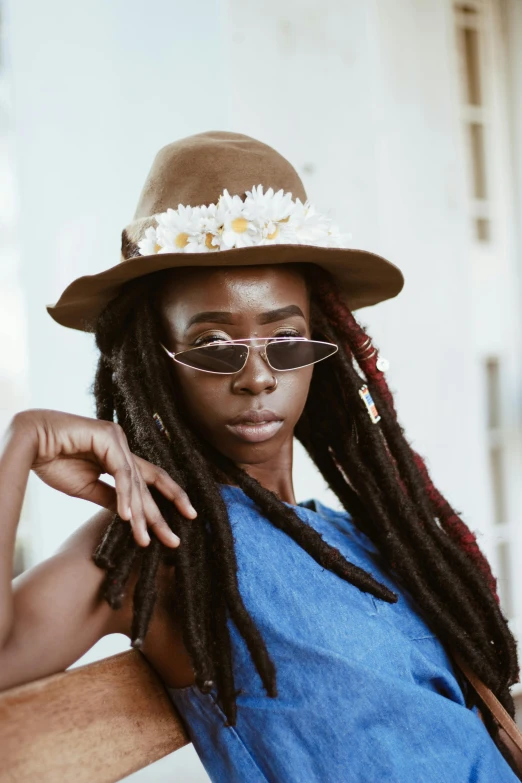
275 474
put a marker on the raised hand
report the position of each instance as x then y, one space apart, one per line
72 452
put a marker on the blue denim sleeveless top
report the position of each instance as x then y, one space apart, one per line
366 692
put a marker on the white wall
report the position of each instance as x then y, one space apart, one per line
13 317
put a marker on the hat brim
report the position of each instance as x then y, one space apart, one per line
364 278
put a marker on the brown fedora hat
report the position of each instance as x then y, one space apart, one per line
220 198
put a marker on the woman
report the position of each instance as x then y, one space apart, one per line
298 643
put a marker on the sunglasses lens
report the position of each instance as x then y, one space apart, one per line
215 358
292 354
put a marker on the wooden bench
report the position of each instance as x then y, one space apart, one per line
91 724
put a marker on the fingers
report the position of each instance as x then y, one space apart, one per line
119 462
123 478
159 478
156 521
138 517
146 514
135 503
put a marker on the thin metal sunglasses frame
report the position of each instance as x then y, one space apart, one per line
244 342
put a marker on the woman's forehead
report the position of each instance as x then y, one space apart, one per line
236 287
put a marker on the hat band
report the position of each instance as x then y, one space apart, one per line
260 219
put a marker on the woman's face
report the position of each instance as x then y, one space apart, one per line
200 306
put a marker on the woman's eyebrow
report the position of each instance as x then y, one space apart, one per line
223 317
279 314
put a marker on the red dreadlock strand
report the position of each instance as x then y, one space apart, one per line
455 527
360 346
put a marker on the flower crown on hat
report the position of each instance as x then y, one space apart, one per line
261 219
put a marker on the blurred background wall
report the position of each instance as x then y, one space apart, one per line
403 118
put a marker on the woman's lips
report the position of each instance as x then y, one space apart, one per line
255 433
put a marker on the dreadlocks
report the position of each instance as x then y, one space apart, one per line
380 481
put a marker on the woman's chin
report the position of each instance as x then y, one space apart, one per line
252 452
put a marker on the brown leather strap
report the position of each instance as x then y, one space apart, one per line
492 703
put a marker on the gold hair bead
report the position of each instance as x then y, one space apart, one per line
159 422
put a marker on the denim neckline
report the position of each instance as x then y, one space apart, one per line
310 504
303 503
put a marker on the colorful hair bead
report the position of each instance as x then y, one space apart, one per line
370 405
160 425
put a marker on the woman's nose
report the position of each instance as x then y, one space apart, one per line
256 376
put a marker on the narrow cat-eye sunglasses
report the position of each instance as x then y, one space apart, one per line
230 356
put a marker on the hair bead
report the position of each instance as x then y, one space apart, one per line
159 423
366 397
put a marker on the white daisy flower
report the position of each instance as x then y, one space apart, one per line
211 222
177 228
306 225
239 230
205 232
270 210
149 244
261 219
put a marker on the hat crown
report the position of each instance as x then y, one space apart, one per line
195 170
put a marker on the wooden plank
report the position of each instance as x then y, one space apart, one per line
91 724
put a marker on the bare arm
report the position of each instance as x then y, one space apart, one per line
16 460
52 614
58 614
